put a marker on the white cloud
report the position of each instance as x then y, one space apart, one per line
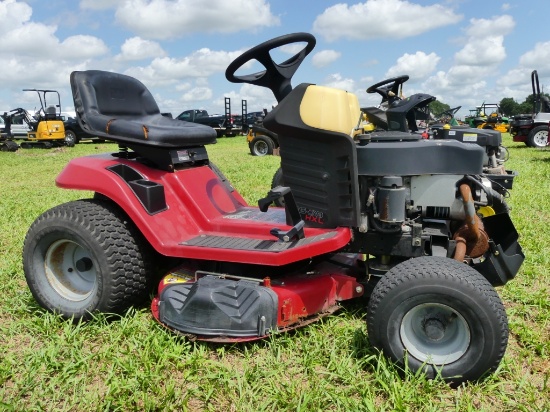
337 81
325 57
485 43
81 47
163 19
12 15
482 53
98 4
183 86
516 82
488 52
396 19
197 94
198 65
538 58
201 63
136 48
479 29
418 66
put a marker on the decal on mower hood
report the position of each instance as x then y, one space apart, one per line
312 215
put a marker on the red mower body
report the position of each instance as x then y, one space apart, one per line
193 213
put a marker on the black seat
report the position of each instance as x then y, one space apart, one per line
121 108
50 113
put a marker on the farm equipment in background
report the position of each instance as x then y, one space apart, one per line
397 114
261 141
448 117
532 129
227 124
387 212
491 118
46 129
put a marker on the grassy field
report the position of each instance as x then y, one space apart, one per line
132 363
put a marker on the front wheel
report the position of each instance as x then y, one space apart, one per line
538 137
84 257
439 316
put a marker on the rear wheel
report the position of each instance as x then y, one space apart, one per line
84 257
538 137
261 146
439 316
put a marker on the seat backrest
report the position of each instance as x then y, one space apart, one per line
111 94
50 113
315 125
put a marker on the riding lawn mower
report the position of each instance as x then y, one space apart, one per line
532 129
392 217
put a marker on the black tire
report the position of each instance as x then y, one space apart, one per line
438 315
70 138
277 179
538 137
86 256
261 146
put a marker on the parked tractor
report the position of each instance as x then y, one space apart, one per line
532 129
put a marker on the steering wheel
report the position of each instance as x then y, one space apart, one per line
275 77
393 83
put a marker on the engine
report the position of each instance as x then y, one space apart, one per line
438 215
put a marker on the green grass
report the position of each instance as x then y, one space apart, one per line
132 363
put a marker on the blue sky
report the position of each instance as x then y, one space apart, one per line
464 52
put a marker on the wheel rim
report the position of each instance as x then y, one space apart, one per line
261 148
70 270
435 333
540 138
69 139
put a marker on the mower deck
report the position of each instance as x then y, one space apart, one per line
227 308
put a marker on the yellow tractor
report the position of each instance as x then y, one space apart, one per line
46 129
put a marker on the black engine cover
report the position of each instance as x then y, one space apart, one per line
409 158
